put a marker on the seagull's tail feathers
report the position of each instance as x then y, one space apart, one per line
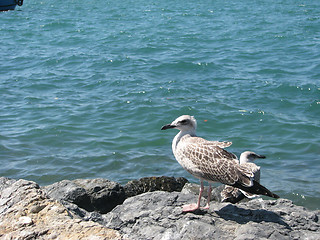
256 188
249 195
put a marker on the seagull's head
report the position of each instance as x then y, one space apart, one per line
249 156
183 123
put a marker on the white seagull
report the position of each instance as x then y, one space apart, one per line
234 195
207 160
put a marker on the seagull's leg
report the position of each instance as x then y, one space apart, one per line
208 199
194 206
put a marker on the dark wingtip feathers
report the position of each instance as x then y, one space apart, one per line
258 189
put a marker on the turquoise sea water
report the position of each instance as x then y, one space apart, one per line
85 87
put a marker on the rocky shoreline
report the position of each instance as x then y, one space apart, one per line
148 208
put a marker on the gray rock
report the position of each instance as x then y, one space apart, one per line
158 215
150 184
26 212
89 198
100 195
5 182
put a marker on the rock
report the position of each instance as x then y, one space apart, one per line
100 195
90 198
158 215
5 182
27 213
150 184
152 215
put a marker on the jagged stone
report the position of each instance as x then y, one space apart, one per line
158 215
27 213
150 184
99 194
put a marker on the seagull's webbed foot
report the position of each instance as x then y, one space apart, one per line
190 207
206 207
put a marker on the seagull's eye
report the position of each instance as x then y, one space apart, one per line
184 122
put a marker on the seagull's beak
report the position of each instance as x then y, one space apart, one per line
168 126
260 156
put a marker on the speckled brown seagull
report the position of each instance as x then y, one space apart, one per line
207 160
234 195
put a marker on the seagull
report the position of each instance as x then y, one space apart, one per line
209 161
234 195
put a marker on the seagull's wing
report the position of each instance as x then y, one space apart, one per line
230 194
223 144
256 172
215 164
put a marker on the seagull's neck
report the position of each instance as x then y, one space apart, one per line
178 137
245 160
